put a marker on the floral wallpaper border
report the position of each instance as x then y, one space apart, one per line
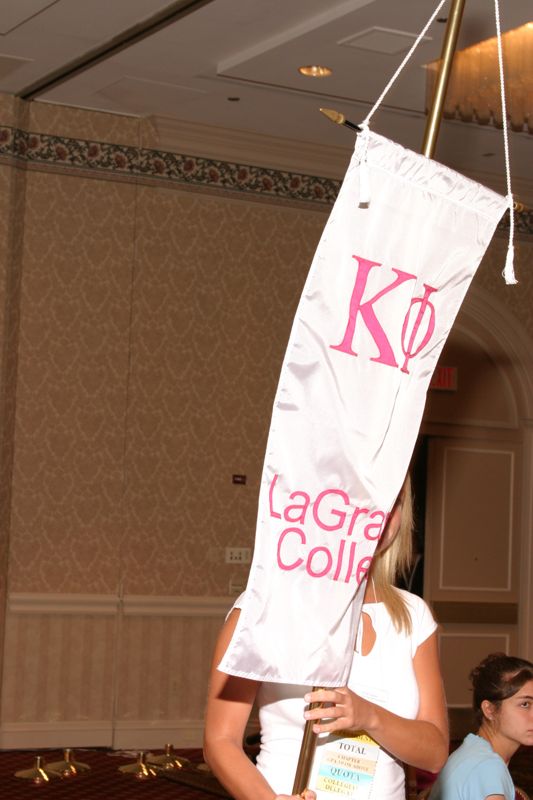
138 163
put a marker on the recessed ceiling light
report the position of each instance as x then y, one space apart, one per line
315 71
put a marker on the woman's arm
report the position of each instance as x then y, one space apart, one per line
229 703
422 742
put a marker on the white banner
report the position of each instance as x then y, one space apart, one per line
384 288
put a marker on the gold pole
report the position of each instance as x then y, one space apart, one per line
448 49
307 751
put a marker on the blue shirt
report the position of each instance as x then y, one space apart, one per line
474 771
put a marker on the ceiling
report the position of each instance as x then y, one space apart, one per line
214 51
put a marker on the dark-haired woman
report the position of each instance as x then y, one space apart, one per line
503 702
394 694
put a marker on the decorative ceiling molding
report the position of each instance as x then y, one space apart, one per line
9 64
17 13
250 148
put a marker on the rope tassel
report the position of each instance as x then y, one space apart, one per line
508 270
364 172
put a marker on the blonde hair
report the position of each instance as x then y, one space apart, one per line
394 561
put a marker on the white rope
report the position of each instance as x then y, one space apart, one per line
404 62
508 270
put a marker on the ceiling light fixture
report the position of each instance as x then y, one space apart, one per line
315 71
474 89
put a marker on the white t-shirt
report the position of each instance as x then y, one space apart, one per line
385 676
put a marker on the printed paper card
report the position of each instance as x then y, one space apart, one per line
345 766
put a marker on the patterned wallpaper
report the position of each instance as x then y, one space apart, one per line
215 289
12 196
67 512
153 324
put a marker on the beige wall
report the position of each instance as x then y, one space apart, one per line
12 200
153 323
144 319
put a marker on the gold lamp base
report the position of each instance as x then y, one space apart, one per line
69 768
167 760
39 773
140 770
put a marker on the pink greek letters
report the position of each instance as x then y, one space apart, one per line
424 305
413 339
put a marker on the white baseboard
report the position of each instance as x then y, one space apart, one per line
30 735
148 735
131 605
125 735
19 731
154 735
130 735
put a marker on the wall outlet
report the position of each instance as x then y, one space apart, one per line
238 555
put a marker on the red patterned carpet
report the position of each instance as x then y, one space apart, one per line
105 782
521 768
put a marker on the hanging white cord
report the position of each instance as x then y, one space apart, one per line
402 65
364 175
508 270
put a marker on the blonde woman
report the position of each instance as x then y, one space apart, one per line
394 693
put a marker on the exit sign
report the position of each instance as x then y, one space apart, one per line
444 379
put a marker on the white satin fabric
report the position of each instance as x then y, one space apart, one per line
382 293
